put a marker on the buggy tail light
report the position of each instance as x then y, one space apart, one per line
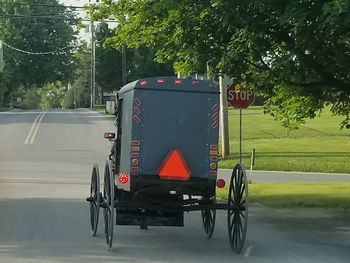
124 178
220 183
143 82
174 167
109 135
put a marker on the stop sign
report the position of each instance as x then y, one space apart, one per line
240 99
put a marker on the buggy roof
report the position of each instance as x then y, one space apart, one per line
172 84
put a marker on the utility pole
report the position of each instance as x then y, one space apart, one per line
1 57
123 65
225 146
93 66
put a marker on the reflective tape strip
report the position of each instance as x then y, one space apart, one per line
136 119
137 101
215 124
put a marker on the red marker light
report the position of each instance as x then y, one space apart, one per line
178 81
214 147
135 142
143 82
160 81
220 183
124 178
109 135
135 169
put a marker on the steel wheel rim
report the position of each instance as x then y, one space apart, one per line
208 220
95 196
237 213
108 196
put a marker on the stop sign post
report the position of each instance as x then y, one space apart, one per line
240 99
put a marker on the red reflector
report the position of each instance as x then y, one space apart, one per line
134 162
214 147
135 169
215 107
124 178
220 183
178 81
214 158
135 142
143 82
215 153
213 166
135 155
215 124
136 119
213 173
137 110
109 135
160 81
135 148
215 116
137 101
174 167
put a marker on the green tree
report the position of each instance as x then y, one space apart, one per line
296 53
37 28
31 99
79 93
52 95
3 87
140 63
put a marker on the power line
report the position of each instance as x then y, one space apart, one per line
35 53
42 5
8 16
37 16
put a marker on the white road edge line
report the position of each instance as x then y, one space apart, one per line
34 129
248 251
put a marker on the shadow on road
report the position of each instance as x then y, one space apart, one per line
54 230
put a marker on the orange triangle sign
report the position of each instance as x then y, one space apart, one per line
174 167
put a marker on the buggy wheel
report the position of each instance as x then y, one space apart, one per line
208 220
237 212
94 199
108 200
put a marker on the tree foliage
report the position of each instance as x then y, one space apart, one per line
296 53
52 95
37 28
31 99
79 94
139 62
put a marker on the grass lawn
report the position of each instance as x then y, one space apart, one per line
328 195
318 146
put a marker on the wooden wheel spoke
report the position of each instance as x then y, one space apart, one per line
208 220
231 212
242 190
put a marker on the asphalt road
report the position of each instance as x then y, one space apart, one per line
44 178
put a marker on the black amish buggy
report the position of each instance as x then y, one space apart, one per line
164 159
